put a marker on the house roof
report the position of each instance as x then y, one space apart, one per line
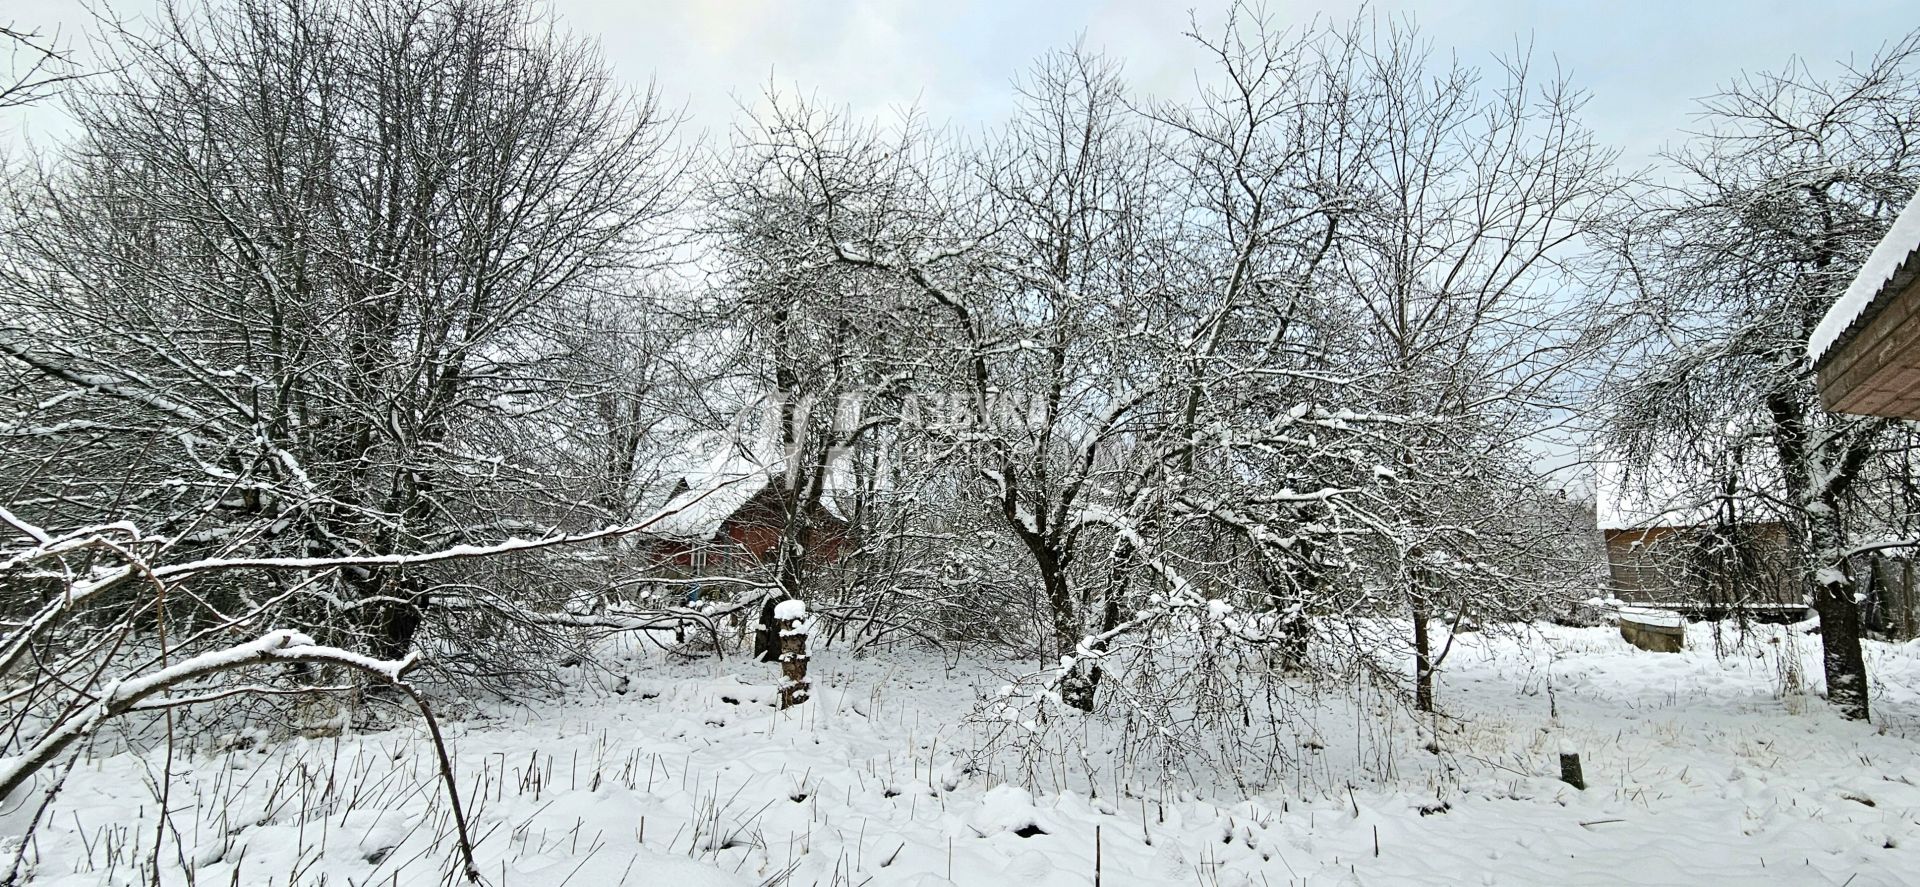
729 478
1889 269
709 493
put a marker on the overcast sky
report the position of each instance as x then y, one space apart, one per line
1643 61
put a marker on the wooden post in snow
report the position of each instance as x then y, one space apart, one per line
1570 772
789 619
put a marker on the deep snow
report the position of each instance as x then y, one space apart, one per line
1701 770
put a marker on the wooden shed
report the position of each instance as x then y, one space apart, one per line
1672 545
1706 570
1866 351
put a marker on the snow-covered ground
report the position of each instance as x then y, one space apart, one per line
1700 770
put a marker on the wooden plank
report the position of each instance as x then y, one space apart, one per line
1877 371
1865 350
1895 389
1887 314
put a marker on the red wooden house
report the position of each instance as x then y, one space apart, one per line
733 522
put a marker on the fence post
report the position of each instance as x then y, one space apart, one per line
789 619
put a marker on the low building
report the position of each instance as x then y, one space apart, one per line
1705 569
731 520
1704 555
1866 357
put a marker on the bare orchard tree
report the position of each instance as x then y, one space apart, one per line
1774 205
822 347
1267 166
296 282
1474 197
1019 281
1346 367
1061 348
1112 313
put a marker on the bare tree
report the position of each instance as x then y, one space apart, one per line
295 286
821 347
1474 196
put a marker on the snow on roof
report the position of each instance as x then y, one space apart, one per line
1881 267
698 513
714 491
722 481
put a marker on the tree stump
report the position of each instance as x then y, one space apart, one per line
789 618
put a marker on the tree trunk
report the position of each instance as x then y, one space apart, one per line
390 625
398 624
1840 656
1077 689
1288 593
1832 598
1906 597
1422 658
1846 668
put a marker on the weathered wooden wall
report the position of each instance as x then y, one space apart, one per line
1660 565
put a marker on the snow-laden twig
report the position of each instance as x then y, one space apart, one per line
118 696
